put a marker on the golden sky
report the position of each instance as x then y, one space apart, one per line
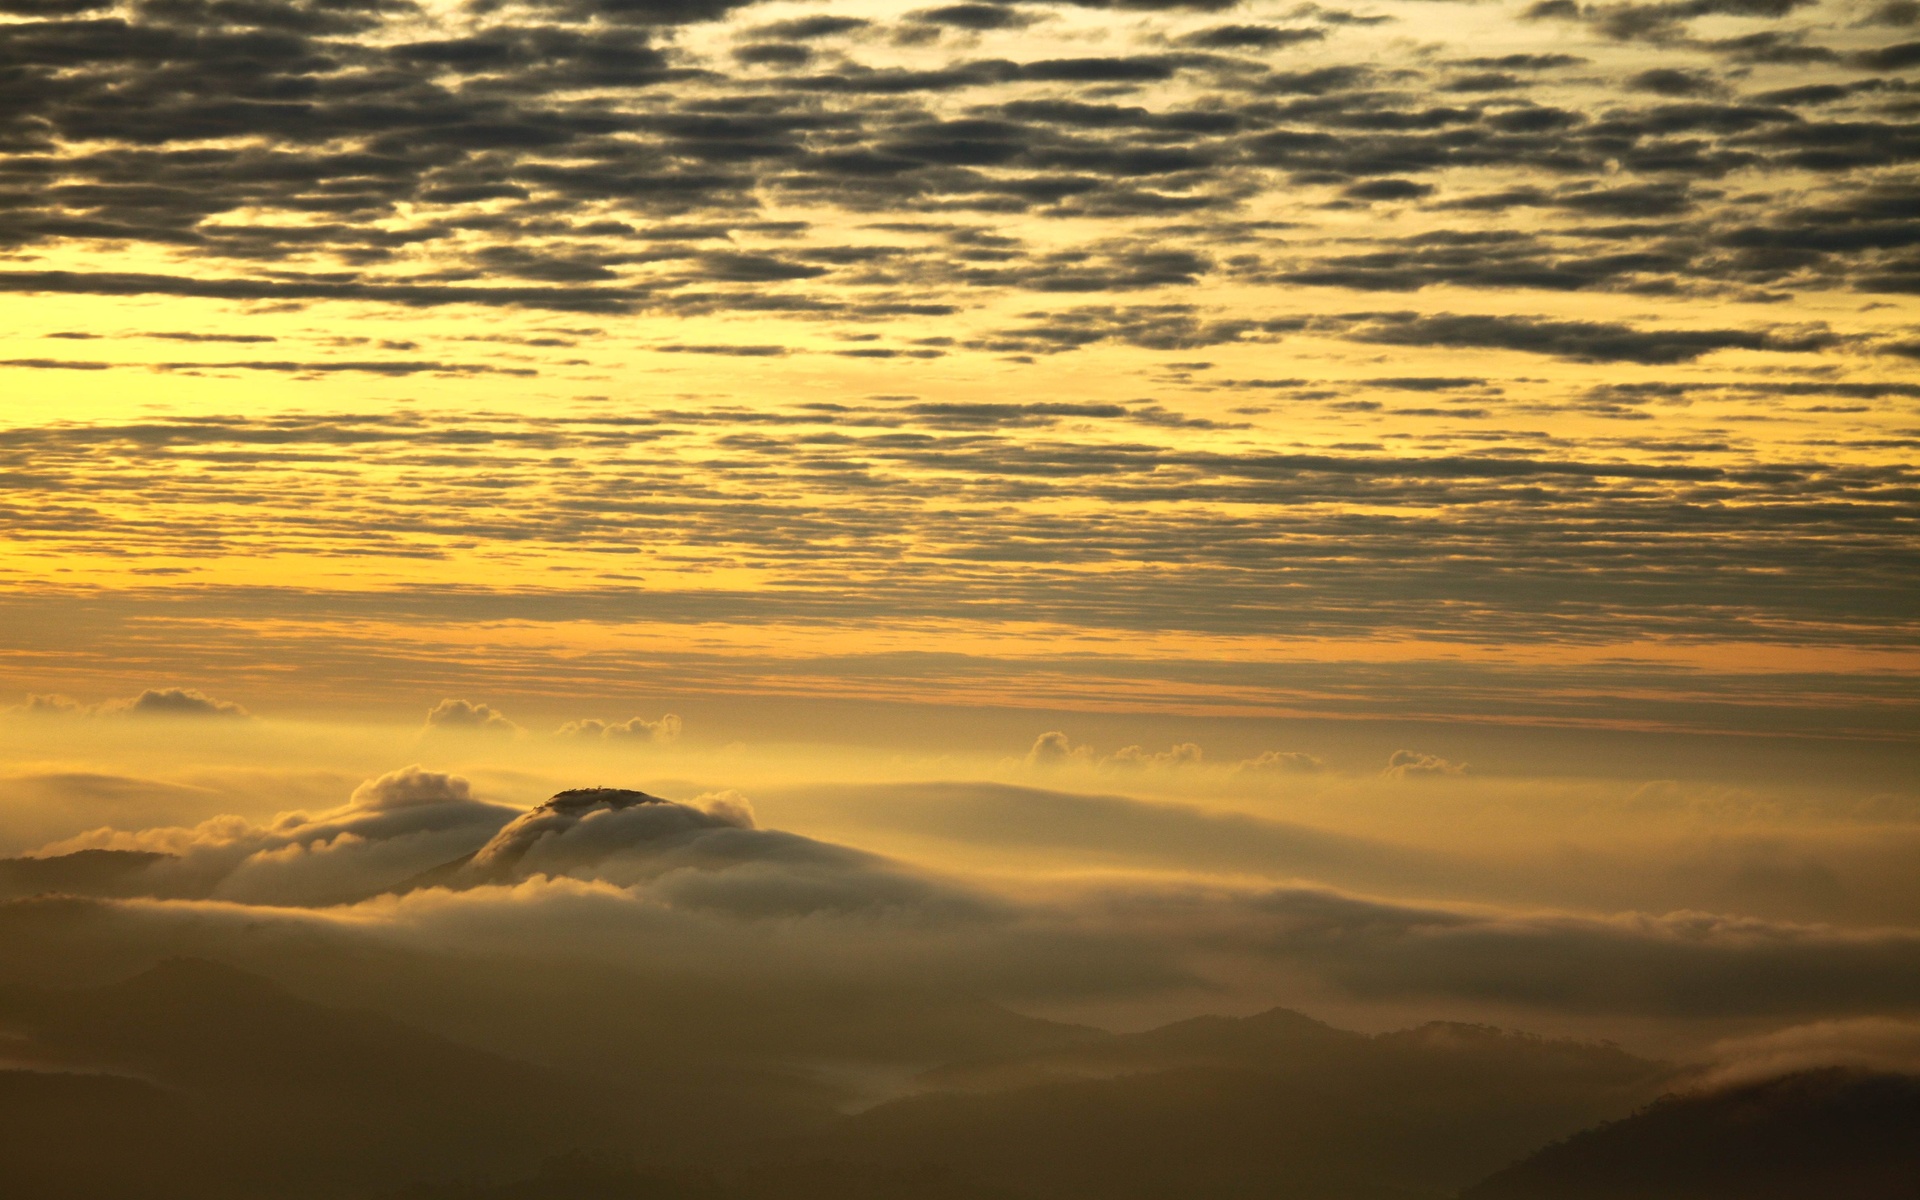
1428 358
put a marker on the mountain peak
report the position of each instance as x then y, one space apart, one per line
579 799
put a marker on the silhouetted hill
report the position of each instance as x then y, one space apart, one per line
1820 1135
578 1177
198 1080
82 873
589 1177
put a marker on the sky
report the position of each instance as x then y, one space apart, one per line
1399 510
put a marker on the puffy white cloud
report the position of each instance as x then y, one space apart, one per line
729 806
1055 749
411 786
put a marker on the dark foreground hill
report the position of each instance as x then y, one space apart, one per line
1831 1135
199 1080
194 1079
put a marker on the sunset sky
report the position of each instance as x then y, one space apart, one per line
1401 509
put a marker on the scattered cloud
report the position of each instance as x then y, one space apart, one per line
166 702
1182 754
665 730
1055 749
1288 762
409 787
1411 764
465 716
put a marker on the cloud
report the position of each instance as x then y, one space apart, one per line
1184 754
1676 965
411 786
462 715
517 158
1668 81
706 857
643 12
1664 22
1007 823
809 28
728 807
1580 341
393 827
1868 1043
977 18
665 730
668 892
178 702
1055 749
1289 762
1411 764
1250 37
52 704
168 702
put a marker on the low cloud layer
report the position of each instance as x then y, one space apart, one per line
638 883
1864 1043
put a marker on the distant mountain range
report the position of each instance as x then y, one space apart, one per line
1274 1106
